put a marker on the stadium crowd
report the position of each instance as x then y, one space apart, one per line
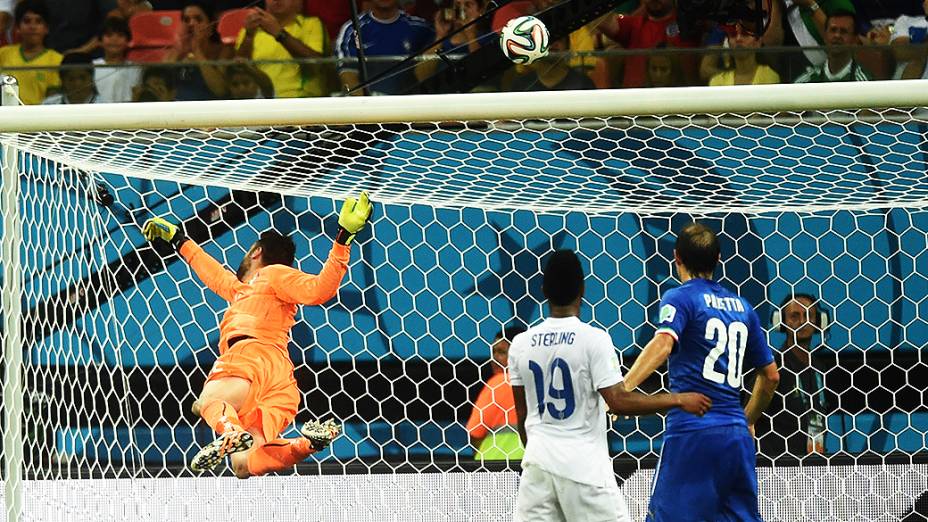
137 50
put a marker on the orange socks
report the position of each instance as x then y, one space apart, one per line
278 455
220 416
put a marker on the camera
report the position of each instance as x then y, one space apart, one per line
696 16
450 14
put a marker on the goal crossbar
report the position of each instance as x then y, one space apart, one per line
467 107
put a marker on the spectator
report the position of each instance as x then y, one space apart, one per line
746 70
492 422
385 31
873 56
908 41
879 13
6 21
713 63
463 13
451 19
281 33
114 84
589 38
199 42
799 407
806 22
126 9
840 66
663 70
656 25
553 73
77 85
158 85
247 82
30 19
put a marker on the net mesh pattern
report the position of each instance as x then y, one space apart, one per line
119 335
734 163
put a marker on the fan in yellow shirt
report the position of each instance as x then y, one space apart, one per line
746 70
281 33
31 22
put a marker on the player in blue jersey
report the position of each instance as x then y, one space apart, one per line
709 336
385 31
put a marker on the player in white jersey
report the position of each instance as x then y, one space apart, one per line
571 370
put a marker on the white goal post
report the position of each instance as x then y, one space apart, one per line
818 189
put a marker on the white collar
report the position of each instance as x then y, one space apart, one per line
841 74
388 21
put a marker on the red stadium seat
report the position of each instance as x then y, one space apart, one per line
153 33
230 23
150 55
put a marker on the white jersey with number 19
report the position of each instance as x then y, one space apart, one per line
562 363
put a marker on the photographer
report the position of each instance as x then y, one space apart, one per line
796 421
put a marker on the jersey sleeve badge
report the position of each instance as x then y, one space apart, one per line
668 312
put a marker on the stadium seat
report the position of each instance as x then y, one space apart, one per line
152 34
230 23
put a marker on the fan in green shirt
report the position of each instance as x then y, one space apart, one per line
840 36
814 14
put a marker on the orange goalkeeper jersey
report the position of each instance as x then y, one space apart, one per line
265 307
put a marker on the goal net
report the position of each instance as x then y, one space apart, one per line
818 190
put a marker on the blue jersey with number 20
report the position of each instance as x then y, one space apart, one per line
718 338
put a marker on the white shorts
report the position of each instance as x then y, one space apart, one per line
543 497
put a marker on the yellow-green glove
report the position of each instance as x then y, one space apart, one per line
353 217
157 228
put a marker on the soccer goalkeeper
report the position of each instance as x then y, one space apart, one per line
250 395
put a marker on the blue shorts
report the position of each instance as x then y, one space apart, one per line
706 475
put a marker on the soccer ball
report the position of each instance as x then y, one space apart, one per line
524 39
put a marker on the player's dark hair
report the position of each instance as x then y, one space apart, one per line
116 25
276 248
510 332
563 278
30 6
698 249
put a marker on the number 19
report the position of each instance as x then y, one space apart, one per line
565 394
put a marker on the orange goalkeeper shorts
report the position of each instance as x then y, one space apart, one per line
273 397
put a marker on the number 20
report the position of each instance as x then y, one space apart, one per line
734 337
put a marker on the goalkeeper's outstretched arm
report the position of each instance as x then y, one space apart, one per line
294 286
215 276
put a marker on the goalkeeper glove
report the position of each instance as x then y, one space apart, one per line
353 217
157 228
